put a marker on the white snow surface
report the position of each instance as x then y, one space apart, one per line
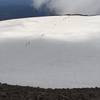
51 52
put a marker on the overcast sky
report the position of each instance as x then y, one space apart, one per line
10 9
61 6
71 6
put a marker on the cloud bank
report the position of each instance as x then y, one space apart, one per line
61 7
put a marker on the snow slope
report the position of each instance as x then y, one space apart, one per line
57 52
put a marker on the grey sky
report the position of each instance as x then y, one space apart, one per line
90 7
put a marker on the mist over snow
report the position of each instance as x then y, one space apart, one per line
88 7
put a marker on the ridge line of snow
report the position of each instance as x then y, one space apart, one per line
69 28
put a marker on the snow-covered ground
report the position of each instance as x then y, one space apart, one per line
57 52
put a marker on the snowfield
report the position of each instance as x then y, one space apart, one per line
51 52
